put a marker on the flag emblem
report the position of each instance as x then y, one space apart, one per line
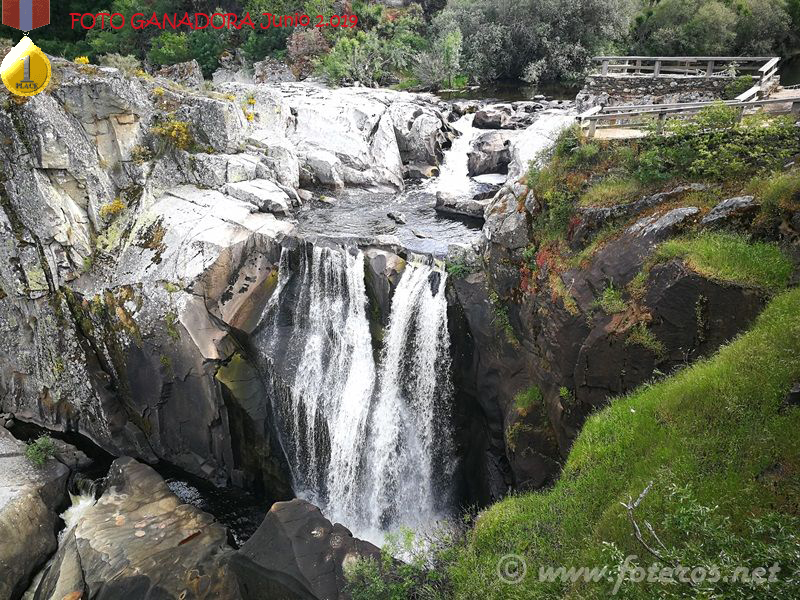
26 15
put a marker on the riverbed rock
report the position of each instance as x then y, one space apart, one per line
139 540
30 497
455 205
298 553
491 153
263 194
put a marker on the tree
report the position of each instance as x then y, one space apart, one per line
169 48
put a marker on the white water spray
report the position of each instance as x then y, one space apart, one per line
367 440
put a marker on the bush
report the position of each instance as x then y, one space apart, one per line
128 64
611 301
113 208
40 451
304 47
170 48
174 133
738 86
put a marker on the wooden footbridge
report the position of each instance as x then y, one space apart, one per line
635 120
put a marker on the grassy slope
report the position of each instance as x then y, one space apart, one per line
716 427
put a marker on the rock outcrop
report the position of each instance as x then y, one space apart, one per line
298 553
140 541
29 500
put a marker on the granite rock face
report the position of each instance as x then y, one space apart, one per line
29 501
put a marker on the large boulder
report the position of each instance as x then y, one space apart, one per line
491 153
298 554
140 541
29 500
186 73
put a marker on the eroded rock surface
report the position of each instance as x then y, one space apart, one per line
30 498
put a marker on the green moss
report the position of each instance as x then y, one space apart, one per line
514 432
730 257
720 446
458 269
501 319
171 319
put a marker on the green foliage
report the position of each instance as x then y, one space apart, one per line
528 400
779 194
414 577
40 451
611 300
113 208
715 147
501 319
720 446
169 48
738 86
611 191
440 66
640 335
171 320
731 257
458 269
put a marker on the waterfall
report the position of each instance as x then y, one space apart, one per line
366 433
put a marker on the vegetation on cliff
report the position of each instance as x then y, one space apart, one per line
716 440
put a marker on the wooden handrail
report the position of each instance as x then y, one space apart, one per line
689 106
769 65
687 58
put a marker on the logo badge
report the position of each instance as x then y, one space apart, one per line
25 69
26 15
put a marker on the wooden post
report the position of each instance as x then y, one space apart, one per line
796 108
740 114
710 69
662 117
604 70
638 66
657 69
592 127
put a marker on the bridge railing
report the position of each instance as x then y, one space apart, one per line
687 66
644 115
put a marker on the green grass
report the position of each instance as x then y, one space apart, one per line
730 257
640 335
778 194
610 192
528 400
713 435
611 301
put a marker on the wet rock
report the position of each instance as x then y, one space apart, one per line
415 171
29 500
491 153
736 213
185 73
139 540
71 456
298 553
383 271
454 205
305 195
397 217
485 191
493 117
465 107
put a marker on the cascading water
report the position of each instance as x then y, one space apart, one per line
367 439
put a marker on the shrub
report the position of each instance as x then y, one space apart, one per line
113 208
303 48
40 451
779 193
169 48
127 64
81 60
738 86
174 133
458 269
